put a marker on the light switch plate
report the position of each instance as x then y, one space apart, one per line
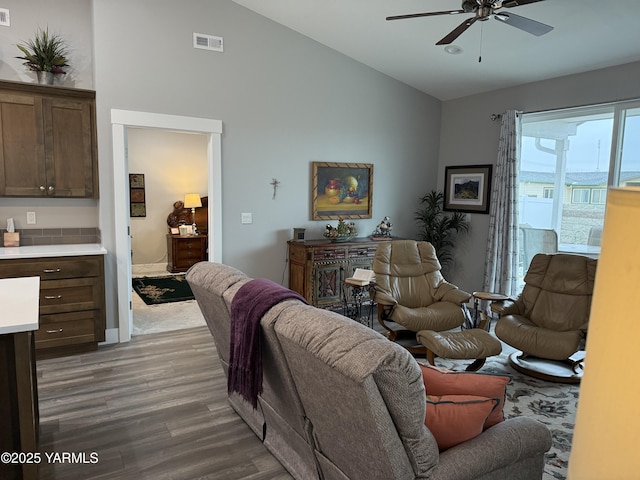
246 218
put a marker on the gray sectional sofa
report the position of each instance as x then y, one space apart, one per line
340 401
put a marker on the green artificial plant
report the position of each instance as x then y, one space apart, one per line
45 52
439 228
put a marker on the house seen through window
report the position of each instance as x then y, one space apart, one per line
568 159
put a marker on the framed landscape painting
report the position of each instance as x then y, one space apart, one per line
341 190
467 188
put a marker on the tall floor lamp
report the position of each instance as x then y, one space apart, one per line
192 201
607 431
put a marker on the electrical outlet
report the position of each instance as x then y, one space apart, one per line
31 218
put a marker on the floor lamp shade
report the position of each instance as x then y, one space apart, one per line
607 432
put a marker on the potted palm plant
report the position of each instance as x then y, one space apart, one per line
45 54
439 228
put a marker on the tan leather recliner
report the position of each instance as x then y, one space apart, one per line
411 291
549 319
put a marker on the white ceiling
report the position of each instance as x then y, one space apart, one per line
587 35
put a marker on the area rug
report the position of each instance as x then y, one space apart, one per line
553 404
156 290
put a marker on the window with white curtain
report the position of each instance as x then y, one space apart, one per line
568 159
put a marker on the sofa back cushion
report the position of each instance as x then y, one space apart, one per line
357 389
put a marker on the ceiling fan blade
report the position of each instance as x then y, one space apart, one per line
429 14
523 23
456 32
517 3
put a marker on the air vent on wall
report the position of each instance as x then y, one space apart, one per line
4 17
207 42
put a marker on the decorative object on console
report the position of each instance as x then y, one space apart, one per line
610 377
383 230
341 190
466 188
45 54
192 200
438 228
344 232
298 234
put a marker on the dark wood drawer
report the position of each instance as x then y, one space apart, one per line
58 296
64 329
52 268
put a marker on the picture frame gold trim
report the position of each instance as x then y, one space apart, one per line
354 185
467 188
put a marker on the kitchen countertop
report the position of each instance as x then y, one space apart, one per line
39 251
19 300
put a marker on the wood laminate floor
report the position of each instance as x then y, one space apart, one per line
153 408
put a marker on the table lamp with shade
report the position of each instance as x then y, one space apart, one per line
607 432
192 201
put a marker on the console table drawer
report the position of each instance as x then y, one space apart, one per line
324 254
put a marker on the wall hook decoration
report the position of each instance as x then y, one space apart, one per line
275 183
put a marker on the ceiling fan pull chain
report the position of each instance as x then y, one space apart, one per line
481 32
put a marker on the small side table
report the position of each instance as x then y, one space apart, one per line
355 295
489 296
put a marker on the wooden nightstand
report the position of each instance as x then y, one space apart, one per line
185 251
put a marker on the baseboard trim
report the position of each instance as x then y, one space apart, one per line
110 336
144 268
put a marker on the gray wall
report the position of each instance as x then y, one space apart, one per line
284 100
72 20
468 137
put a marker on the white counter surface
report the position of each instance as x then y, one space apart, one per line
19 300
37 251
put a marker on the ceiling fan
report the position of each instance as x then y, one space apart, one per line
484 10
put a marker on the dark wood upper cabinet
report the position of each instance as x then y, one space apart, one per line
48 141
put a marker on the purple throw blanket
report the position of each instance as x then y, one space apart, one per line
249 304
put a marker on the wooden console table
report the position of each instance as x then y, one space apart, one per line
318 268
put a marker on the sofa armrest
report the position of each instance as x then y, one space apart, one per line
515 446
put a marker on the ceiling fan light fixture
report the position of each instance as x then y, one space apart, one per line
453 49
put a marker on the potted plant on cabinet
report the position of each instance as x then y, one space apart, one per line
45 54
438 228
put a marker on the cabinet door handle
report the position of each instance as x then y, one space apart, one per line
51 188
51 270
53 297
42 188
59 330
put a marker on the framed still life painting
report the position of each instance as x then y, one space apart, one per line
341 190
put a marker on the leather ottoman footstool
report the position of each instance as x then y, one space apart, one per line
474 343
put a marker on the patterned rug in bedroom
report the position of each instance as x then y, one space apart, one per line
165 289
553 404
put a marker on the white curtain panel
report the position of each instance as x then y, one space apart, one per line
501 266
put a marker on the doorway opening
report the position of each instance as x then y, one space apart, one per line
121 121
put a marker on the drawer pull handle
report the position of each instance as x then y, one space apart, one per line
53 297
59 330
51 270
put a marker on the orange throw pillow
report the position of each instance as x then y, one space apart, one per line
439 381
453 419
